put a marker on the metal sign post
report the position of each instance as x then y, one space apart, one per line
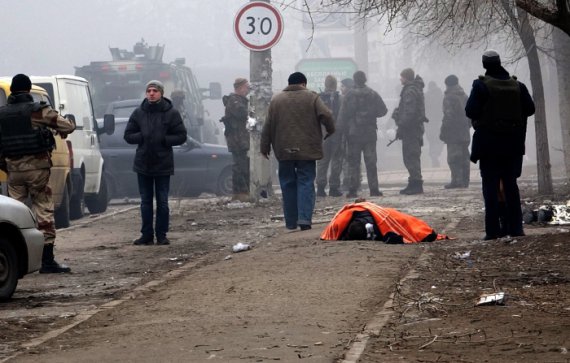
258 26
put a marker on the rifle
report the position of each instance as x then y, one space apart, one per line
392 141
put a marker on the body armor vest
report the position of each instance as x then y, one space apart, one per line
502 111
17 135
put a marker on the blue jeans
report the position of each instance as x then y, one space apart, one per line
297 180
147 186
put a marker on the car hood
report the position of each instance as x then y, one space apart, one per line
16 213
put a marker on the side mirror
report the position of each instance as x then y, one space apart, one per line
191 144
109 124
71 118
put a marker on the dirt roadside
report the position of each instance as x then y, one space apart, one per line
290 297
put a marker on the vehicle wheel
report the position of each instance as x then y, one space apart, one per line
62 213
224 186
8 270
76 203
98 203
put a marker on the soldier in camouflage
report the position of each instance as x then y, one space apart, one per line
410 118
237 137
26 142
360 109
332 148
455 133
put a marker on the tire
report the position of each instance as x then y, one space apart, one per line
62 213
224 184
8 270
76 203
98 203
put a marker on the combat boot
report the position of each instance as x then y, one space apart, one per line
49 265
321 191
334 192
376 193
414 187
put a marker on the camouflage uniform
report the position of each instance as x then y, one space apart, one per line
28 175
360 109
237 139
433 101
455 133
332 149
410 118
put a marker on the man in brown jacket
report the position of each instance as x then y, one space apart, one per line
293 130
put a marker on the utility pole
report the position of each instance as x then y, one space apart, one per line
361 45
260 74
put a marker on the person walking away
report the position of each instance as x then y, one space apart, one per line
332 149
498 107
26 142
237 137
455 133
293 130
155 127
410 117
361 107
433 100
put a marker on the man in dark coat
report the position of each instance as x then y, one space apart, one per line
237 137
361 108
455 133
332 148
155 126
498 107
434 113
410 116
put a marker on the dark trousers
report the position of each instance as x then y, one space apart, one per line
148 186
412 152
494 170
240 172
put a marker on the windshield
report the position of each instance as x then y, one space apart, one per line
123 112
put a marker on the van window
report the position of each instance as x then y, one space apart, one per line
78 104
49 88
2 97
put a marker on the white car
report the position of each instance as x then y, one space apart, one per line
21 244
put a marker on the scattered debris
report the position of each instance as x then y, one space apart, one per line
228 257
492 299
239 247
462 256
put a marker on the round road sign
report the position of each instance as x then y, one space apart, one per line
258 26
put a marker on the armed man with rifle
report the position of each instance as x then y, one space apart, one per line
237 136
360 109
410 118
26 142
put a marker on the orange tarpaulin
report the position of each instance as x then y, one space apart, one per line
412 229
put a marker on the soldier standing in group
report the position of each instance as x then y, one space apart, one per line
360 109
498 107
455 133
332 148
26 142
433 101
237 137
410 118
346 85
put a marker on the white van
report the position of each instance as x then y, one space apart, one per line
72 99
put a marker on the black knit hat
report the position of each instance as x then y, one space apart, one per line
359 78
297 78
20 83
491 58
451 80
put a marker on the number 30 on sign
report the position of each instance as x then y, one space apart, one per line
258 26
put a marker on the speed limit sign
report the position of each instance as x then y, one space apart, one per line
258 26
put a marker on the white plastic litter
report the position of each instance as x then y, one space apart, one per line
492 299
239 247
